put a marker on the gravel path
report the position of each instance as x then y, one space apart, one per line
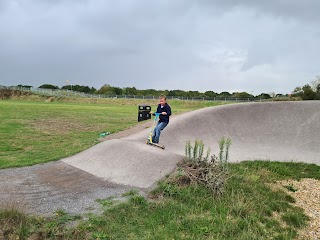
307 197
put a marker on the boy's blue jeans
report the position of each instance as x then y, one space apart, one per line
157 131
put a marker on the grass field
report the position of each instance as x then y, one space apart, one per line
35 131
250 208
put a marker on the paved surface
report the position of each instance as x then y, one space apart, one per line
279 131
46 188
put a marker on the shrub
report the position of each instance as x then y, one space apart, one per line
197 168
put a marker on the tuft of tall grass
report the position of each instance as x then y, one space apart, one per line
195 152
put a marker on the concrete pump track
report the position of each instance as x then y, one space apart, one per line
277 131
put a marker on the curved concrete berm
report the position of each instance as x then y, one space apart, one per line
278 131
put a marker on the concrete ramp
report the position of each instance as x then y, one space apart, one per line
126 162
278 131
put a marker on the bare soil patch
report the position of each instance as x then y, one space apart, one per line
61 126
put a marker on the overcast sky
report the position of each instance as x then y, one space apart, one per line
220 45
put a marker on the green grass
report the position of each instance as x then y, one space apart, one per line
249 209
34 132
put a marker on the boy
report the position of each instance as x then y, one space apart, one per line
165 110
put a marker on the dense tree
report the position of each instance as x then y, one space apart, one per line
117 90
130 91
263 96
177 93
225 94
105 89
165 92
92 90
20 86
150 92
79 88
308 93
49 86
110 90
193 94
210 94
305 92
315 84
241 95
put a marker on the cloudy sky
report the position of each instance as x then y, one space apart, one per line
220 45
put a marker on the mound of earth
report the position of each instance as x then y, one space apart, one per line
9 93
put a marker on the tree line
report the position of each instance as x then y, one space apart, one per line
132 91
307 92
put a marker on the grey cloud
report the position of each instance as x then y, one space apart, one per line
294 9
200 45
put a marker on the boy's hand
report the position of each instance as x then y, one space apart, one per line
164 113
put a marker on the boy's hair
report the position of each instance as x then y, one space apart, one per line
163 96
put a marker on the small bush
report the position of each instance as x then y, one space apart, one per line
210 172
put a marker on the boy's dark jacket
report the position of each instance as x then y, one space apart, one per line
166 108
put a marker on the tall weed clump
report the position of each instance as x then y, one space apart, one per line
209 171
